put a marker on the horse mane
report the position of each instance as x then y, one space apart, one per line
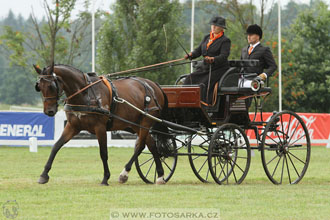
71 67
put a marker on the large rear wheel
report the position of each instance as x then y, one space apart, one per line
229 155
285 148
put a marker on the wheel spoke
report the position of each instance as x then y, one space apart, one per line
203 148
222 171
146 161
279 137
282 171
202 166
234 172
272 159
207 174
294 132
167 165
287 167
150 168
297 158
199 156
227 171
299 139
276 166
238 166
293 165
272 139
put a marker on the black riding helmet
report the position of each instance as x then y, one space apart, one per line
254 29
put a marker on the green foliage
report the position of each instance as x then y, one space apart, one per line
307 67
141 33
36 41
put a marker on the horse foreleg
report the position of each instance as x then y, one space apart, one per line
101 134
139 146
67 134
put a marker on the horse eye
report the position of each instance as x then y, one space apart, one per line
36 87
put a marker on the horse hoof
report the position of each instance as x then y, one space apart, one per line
122 179
43 179
160 181
104 184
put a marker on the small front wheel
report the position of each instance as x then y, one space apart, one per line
229 155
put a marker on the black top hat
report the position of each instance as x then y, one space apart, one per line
218 21
254 29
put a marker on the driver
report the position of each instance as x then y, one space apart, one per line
215 48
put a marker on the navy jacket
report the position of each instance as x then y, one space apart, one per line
265 57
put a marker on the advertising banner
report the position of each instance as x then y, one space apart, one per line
318 125
23 125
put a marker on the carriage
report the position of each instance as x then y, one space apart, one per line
214 137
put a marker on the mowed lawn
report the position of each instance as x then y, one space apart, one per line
73 191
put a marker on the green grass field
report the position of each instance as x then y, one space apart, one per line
73 191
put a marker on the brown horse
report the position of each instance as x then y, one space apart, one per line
89 101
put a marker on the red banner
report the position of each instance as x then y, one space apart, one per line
318 126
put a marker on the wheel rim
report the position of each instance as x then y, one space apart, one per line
285 150
229 155
146 167
199 144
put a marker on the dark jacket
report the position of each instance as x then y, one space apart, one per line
220 50
265 57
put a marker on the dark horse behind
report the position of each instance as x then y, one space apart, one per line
90 104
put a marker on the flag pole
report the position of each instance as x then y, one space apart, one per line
279 58
93 37
192 29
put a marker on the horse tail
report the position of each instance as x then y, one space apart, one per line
164 110
159 126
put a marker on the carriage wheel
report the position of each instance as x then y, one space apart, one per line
229 155
285 148
199 144
146 167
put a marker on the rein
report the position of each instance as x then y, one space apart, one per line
146 68
83 89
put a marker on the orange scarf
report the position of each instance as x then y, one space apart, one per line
213 38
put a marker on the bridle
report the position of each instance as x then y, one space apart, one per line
54 82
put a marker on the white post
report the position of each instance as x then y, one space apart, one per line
279 58
33 143
93 37
192 29
328 144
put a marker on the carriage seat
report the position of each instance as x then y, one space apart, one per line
232 82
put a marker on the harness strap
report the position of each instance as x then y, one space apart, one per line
81 90
97 110
151 91
106 82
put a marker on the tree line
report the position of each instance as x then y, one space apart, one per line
138 33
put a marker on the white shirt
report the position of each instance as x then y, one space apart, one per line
254 45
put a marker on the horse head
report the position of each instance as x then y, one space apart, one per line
50 87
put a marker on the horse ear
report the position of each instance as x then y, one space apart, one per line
51 69
38 70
